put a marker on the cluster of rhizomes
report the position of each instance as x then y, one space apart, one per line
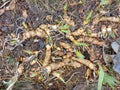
69 58
47 67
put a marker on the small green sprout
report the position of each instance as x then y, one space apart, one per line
79 55
24 25
81 44
112 34
87 20
28 52
103 2
65 28
65 6
13 42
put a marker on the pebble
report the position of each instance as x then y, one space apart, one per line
4 29
41 44
116 61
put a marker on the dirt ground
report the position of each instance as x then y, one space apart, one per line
42 43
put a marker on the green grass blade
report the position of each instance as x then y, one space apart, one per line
101 77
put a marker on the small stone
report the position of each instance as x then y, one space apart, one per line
4 29
115 46
41 44
116 61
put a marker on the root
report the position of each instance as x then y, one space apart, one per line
54 66
82 32
91 40
48 55
67 46
111 19
86 63
38 32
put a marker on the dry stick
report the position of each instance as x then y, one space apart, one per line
14 79
72 76
4 4
48 55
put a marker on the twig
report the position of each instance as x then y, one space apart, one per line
72 76
4 3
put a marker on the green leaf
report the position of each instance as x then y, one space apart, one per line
87 20
34 74
66 26
89 15
79 55
88 32
101 77
64 31
62 79
13 42
111 34
11 60
28 51
24 24
104 2
65 6
81 44
105 78
110 80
